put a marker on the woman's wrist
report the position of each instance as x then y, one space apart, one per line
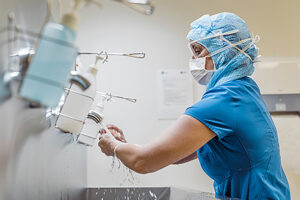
115 148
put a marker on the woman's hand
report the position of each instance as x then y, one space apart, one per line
116 132
107 145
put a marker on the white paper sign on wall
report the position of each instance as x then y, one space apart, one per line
174 92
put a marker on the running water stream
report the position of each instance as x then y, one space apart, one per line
127 185
129 179
127 189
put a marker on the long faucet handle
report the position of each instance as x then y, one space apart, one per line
136 55
109 96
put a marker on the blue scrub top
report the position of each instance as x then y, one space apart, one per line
244 158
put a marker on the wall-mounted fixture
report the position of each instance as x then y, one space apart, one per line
279 82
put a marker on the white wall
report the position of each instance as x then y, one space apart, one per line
162 36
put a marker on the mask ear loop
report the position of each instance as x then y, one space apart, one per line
240 50
229 46
255 40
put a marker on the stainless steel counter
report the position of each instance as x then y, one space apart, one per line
146 193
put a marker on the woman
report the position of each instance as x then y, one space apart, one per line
230 130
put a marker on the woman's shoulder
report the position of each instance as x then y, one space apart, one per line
234 88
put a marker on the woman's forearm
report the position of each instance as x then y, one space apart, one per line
176 143
143 159
133 157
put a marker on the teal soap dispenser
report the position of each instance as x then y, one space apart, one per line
55 57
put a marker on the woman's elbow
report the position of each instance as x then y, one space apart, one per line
141 167
142 164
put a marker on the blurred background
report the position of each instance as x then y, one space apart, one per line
40 162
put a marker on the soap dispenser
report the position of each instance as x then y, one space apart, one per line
93 124
55 57
78 102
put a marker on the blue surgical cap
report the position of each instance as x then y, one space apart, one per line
230 64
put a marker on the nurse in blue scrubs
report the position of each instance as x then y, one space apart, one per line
229 130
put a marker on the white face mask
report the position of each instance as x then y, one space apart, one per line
198 71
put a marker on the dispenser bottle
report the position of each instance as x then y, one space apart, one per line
92 125
50 68
78 103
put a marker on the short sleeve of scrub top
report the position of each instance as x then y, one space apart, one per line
216 110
